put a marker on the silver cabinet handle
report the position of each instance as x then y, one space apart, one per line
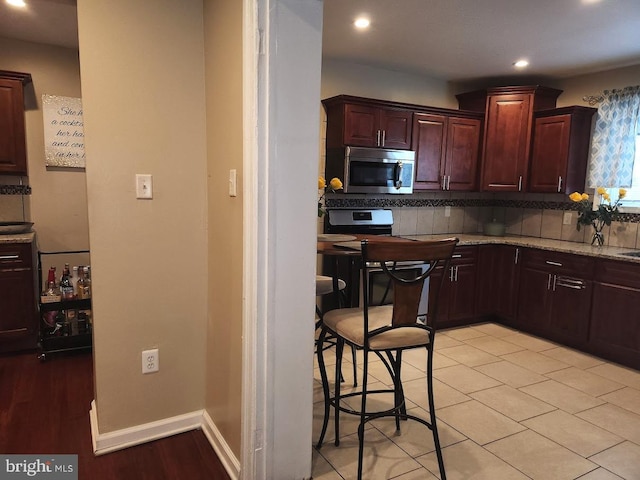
520 183
378 139
9 257
457 255
571 282
444 182
555 277
574 287
384 135
448 182
555 264
549 282
456 277
517 255
559 184
451 274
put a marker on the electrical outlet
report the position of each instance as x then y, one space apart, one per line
150 361
447 211
566 218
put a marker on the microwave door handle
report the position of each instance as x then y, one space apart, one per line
397 174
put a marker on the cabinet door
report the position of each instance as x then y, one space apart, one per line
507 281
13 157
533 300
395 127
463 293
550 154
429 144
18 318
461 157
570 310
361 125
486 292
442 299
615 327
506 147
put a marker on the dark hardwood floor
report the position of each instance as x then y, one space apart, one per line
44 409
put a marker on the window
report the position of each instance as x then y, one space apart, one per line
631 203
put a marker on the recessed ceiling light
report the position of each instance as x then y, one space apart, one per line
362 22
521 64
17 3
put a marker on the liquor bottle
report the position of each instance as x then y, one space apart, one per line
87 280
52 287
74 280
81 282
66 287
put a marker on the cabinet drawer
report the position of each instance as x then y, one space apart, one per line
464 255
618 273
559 263
15 255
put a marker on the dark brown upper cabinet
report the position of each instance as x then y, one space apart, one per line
508 132
365 122
560 149
13 152
447 150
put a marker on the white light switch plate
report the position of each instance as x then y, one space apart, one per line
566 218
144 186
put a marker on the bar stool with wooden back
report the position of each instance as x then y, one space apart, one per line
388 330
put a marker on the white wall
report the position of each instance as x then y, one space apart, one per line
58 202
144 109
348 78
577 87
288 245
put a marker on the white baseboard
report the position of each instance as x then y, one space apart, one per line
128 437
229 461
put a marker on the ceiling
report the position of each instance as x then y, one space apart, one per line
456 40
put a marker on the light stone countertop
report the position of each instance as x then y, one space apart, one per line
18 238
614 253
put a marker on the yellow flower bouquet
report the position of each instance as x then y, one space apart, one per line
334 184
599 217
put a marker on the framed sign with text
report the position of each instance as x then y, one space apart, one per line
63 131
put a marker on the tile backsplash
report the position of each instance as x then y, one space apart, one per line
532 215
12 200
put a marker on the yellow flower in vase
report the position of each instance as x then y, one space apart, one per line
334 184
599 217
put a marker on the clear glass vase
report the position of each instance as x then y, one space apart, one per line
598 238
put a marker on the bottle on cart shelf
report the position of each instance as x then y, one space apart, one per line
84 286
52 287
74 280
87 277
66 287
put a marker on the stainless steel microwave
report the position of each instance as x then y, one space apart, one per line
372 170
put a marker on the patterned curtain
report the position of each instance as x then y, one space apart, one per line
613 143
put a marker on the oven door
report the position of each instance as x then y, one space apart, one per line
381 290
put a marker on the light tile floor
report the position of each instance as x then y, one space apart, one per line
509 405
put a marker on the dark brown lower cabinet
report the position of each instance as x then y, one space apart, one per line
458 293
587 303
554 300
498 274
18 307
614 330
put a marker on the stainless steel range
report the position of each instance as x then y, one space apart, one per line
367 222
